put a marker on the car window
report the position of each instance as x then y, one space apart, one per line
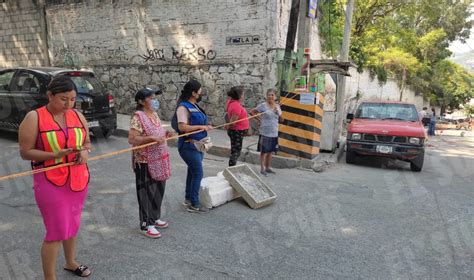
87 84
5 78
26 82
384 111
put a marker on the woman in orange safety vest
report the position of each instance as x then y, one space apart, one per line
50 136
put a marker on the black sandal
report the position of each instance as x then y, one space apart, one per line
79 271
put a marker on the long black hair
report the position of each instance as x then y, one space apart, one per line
188 89
61 84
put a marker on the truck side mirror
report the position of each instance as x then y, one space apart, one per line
350 116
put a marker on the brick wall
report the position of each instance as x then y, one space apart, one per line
22 34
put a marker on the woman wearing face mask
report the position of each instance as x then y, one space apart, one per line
191 118
51 135
151 164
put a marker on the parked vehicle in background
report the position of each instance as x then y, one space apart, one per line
464 123
445 124
24 89
386 129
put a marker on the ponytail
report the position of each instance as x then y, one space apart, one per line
188 89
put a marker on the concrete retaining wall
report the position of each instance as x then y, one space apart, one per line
22 34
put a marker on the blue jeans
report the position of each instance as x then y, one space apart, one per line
193 160
431 128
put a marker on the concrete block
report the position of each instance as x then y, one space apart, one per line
216 191
328 137
253 190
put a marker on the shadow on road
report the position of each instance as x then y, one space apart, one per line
381 163
9 135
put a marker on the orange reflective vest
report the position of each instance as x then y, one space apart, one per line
54 139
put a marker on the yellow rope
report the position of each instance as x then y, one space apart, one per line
111 154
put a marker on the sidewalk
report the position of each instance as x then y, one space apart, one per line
221 147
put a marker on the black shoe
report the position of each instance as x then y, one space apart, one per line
199 209
270 171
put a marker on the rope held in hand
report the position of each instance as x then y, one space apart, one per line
111 154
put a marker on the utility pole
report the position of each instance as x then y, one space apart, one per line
290 45
304 40
341 85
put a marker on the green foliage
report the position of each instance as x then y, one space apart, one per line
407 41
433 46
454 84
469 110
331 25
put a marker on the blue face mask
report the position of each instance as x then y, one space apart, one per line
155 105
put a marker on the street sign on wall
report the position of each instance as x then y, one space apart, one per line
312 8
243 40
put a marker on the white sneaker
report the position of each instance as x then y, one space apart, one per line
161 224
152 232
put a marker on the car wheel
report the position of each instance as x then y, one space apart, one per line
350 156
417 163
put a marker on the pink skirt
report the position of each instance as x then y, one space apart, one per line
60 207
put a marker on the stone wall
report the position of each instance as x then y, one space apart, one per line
22 33
163 43
134 43
124 81
157 32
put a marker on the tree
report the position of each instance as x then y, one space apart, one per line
399 64
407 41
468 110
453 85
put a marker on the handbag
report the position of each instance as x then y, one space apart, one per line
203 145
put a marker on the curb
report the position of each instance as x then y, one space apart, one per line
318 164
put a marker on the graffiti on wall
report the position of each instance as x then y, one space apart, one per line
73 55
184 54
65 56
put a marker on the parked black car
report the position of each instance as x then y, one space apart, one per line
24 89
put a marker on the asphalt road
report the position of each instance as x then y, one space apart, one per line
372 220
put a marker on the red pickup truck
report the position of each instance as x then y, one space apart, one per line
387 129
